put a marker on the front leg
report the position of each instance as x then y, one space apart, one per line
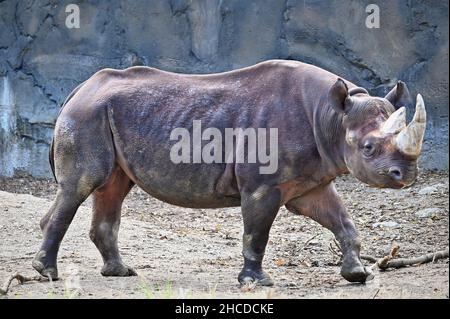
325 207
259 209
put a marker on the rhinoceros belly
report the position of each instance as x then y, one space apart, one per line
143 147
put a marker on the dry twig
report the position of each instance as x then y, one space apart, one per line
390 261
309 240
403 262
383 262
376 293
21 279
335 249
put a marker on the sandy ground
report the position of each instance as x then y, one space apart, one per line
190 253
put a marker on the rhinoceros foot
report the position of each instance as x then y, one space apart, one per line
117 269
354 271
44 267
260 277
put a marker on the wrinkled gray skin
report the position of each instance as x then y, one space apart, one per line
113 133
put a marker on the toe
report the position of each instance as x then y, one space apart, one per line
43 268
356 274
257 277
131 272
117 269
369 274
266 281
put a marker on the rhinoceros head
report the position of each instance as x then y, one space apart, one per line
380 148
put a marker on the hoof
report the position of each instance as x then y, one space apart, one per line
248 276
357 273
44 268
117 269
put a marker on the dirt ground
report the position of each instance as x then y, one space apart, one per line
194 253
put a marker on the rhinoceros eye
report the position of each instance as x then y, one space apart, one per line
369 149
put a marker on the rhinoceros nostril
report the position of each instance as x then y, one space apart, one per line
395 173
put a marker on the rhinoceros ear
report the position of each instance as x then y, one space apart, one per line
399 96
338 97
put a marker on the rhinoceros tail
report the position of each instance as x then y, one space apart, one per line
52 145
51 159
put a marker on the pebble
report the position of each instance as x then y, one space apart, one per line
388 224
428 212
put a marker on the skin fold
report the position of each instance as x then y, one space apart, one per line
113 132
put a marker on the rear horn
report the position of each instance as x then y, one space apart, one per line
395 123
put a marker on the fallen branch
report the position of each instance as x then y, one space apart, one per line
403 262
390 261
21 279
368 258
383 262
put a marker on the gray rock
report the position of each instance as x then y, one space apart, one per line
441 186
428 212
428 190
386 224
41 60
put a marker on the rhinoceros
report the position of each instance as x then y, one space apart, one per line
114 132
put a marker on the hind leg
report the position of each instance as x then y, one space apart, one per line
83 160
106 221
259 209
55 224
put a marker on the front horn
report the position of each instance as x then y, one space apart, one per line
409 140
